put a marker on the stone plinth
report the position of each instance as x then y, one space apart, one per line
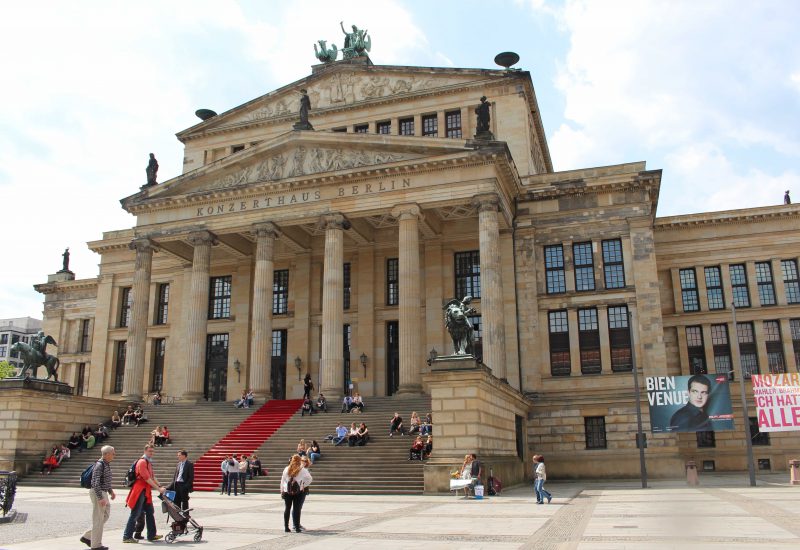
61 276
474 412
33 420
35 384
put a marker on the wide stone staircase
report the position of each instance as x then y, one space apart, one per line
380 467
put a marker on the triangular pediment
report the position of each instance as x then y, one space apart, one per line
342 86
299 156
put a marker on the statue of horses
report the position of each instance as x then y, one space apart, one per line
32 359
324 54
458 324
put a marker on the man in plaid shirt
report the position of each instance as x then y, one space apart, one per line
99 494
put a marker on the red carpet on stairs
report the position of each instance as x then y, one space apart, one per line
243 439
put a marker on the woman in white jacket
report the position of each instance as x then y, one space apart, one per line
540 475
294 481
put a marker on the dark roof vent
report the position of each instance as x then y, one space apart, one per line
205 114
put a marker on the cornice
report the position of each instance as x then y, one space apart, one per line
728 217
63 286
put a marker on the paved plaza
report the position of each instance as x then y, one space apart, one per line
724 512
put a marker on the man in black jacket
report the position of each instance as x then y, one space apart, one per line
183 480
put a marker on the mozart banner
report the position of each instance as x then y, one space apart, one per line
777 398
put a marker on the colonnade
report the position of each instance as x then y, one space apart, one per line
411 325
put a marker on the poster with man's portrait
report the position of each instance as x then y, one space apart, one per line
697 403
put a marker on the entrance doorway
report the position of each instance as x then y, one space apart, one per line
277 377
346 340
216 380
392 357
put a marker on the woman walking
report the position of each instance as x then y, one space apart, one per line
308 385
294 481
540 475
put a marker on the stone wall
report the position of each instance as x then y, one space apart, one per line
31 422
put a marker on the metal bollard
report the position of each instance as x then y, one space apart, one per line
794 472
691 473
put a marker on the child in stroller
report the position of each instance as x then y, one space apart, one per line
182 522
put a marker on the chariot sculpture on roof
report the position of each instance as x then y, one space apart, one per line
356 42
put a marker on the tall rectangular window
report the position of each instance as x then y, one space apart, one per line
406 126
559 343
219 303
361 128
747 349
159 351
716 298
162 308
589 341
384 127
4 338
468 274
452 122
697 351
766 289
595 428
430 125
80 380
619 337
741 296
689 290
613 269
280 291
554 269
392 281
794 328
584 266
346 286
85 323
706 439
126 302
722 350
119 366
772 337
757 437
790 281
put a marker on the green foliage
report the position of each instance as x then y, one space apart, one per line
6 369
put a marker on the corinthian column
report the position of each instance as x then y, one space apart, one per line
493 327
331 365
133 382
410 319
198 314
261 338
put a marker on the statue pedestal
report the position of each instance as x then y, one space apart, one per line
61 276
455 362
302 126
35 384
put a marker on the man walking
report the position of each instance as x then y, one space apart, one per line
183 480
141 499
99 494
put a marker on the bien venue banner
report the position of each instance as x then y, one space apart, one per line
696 403
777 399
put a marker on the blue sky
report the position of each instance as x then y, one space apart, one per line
707 91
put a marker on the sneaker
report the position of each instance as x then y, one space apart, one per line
130 541
549 499
286 528
86 541
155 538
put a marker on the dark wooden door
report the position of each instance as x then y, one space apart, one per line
216 380
392 357
278 365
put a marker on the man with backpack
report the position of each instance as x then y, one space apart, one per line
140 498
99 493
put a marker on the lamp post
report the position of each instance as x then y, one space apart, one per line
640 437
363 360
432 355
298 363
751 468
237 366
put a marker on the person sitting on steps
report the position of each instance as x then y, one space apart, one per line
396 425
347 404
322 403
127 418
301 447
363 435
358 403
428 447
307 408
415 424
352 437
415 452
116 421
341 435
314 452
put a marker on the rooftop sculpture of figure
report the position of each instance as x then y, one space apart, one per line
152 170
65 261
456 319
786 198
356 42
305 106
482 128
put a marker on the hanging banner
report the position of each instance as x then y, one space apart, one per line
777 398
697 403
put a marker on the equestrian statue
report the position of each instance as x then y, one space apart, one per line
34 355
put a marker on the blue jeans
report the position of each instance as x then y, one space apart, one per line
233 481
149 517
541 494
313 457
339 440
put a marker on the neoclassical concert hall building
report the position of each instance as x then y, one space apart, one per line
331 251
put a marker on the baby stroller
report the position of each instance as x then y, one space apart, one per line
182 523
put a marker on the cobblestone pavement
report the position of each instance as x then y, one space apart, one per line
723 513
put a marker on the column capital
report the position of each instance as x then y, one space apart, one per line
266 229
142 245
197 238
407 211
333 220
489 202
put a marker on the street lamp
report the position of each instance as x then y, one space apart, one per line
640 436
237 366
297 364
751 468
363 359
432 355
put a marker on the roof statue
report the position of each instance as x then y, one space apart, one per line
786 198
65 261
305 106
356 42
152 171
482 127
324 54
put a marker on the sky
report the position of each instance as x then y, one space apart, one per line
708 91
